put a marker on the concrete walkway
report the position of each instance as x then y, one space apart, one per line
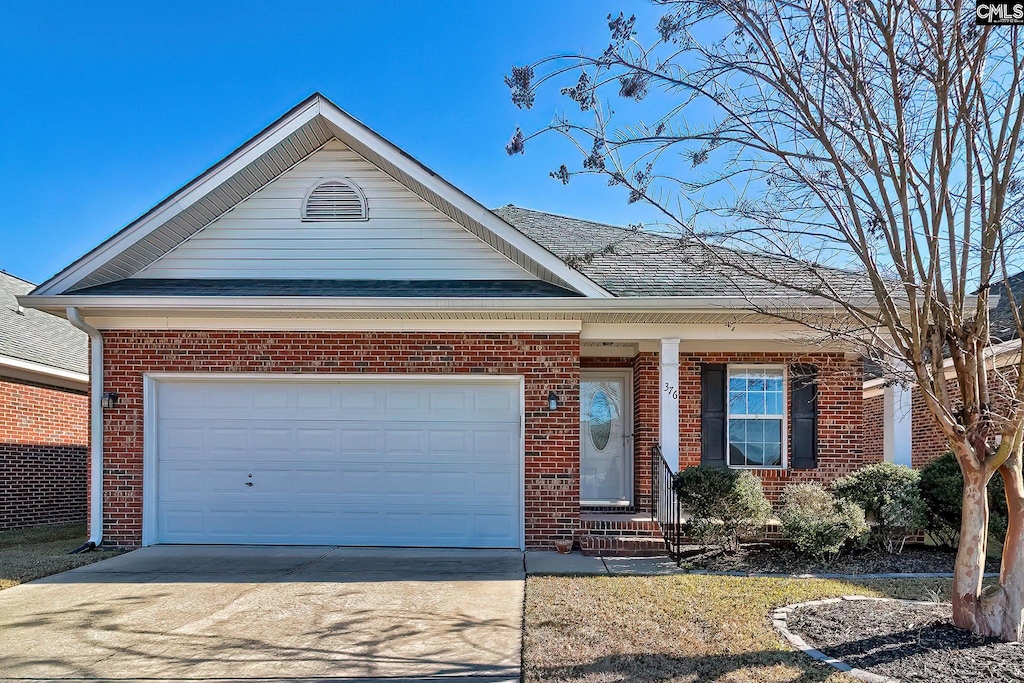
242 613
574 564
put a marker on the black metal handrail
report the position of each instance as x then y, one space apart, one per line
665 506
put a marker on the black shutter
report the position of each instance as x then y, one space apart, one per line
803 416
712 414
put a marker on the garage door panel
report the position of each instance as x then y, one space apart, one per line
387 463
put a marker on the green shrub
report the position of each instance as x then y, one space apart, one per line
942 486
723 504
891 500
819 524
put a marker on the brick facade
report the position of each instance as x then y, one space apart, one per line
840 414
546 361
44 437
927 441
874 429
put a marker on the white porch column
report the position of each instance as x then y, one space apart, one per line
668 417
896 444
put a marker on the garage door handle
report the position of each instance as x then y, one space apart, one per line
248 483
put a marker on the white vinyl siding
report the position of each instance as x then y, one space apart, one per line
265 236
429 461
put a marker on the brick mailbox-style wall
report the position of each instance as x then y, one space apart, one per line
548 362
44 442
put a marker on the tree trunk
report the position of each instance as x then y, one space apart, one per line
997 611
970 557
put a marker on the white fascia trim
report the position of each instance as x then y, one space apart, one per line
459 200
180 200
46 374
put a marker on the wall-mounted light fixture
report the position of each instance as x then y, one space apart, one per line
109 399
552 401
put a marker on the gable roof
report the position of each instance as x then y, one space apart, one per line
289 140
37 337
635 263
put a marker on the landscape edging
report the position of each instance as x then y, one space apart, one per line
779 620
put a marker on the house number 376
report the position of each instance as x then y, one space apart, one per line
671 390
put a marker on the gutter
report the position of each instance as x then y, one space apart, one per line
43 374
95 431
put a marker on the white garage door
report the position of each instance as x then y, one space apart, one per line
426 462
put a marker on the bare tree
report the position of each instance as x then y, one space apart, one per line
877 137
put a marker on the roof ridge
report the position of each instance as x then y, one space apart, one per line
16 277
587 220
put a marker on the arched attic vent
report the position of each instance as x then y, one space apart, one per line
334 199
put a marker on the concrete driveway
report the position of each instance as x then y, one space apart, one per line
218 612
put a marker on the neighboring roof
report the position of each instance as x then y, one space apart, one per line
353 288
38 337
630 262
1003 327
286 142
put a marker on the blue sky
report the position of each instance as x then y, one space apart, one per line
107 108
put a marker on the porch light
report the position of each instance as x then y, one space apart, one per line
109 399
552 401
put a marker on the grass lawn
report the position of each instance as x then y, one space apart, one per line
33 553
650 629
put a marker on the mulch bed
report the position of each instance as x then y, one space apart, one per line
774 558
905 641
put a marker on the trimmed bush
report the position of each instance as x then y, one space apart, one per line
819 524
891 500
723 504
942 486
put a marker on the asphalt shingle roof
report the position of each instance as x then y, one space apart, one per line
1001 321
364 288
628 262
36 336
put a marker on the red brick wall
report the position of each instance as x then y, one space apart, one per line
927 441
646 376
44 438
547 362
840 414
874 429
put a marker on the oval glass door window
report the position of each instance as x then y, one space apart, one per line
600 420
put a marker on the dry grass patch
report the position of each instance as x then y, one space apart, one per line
29 554
600 629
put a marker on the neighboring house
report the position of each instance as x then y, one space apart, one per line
899 427
44 414
321 341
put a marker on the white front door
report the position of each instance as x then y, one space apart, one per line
606 462
397 461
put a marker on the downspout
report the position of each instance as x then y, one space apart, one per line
96 429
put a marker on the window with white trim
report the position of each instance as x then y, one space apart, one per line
334 199
757 420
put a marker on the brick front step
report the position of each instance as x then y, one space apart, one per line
598 524
622 546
